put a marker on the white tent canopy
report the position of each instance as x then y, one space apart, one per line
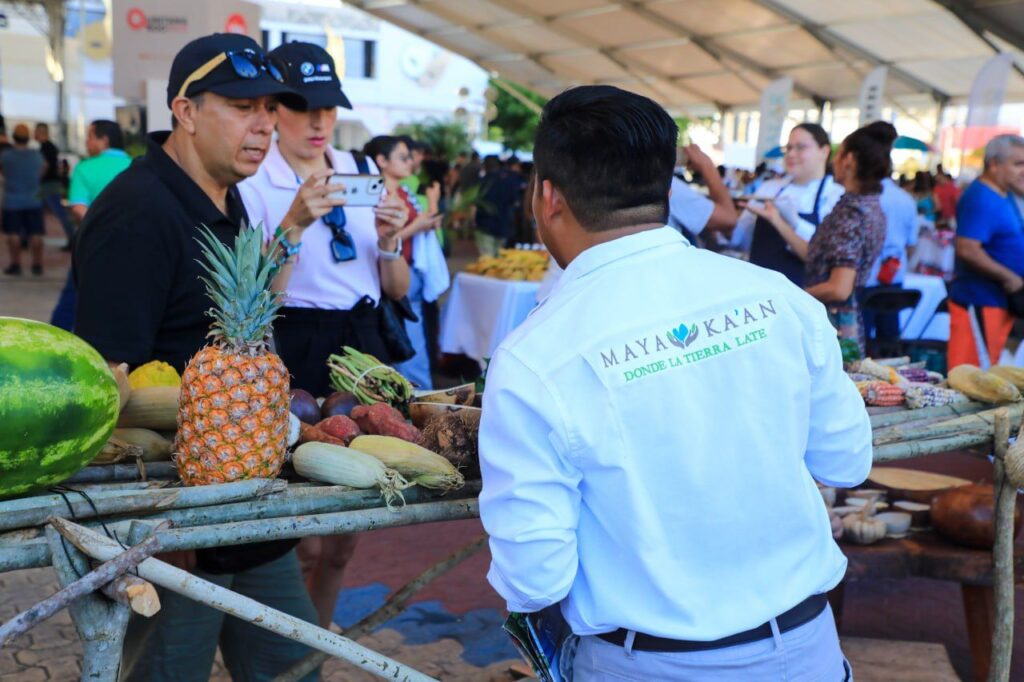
714 54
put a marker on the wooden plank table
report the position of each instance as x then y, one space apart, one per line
925 554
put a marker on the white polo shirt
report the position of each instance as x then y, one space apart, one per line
317 281
650 440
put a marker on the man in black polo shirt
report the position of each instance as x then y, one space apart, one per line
141 299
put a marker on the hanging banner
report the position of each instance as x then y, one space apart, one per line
870 103
774 107
988 90
146 34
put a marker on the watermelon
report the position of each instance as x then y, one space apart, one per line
58 405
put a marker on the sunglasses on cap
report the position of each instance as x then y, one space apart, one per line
247 64
343 248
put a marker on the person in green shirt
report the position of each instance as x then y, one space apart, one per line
104 143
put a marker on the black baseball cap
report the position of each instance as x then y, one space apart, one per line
310 72
224 78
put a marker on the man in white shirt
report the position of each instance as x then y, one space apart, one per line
652 433
693 213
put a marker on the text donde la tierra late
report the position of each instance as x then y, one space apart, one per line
689 344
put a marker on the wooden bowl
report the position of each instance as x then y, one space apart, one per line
457 395
909 484
421 413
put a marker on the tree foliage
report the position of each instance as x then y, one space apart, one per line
446 138
516 124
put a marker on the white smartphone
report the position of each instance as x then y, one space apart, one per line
360 190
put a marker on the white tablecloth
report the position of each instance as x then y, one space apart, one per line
481 311
923 322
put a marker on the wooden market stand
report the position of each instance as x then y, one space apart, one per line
122 520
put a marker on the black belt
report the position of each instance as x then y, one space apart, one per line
802 613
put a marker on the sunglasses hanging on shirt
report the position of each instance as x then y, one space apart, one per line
343 248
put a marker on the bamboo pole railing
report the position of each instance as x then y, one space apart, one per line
130 502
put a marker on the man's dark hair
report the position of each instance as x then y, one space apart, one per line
871 146
492 163
43 127
476 156
109 131
611 154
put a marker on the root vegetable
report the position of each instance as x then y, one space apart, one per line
381 419
339 426
450 436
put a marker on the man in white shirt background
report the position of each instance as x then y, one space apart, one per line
698 216
652 433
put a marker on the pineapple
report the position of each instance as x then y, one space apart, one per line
233 408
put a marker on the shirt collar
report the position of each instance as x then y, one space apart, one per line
185 189
598 256
281 175
113 152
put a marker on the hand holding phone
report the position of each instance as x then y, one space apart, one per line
358 190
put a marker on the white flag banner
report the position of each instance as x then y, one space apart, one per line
988 90
774 107
871 90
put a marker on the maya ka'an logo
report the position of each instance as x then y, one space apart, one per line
681 337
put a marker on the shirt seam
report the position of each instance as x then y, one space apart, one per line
571 441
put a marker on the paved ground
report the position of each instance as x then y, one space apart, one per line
451 630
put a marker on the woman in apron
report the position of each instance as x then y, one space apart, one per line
843 251
793 206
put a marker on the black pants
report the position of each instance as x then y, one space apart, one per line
306 337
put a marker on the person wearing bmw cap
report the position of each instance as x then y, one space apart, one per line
340 260
141 298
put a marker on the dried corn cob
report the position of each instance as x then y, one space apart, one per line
881 372
881 393
913 374
926 395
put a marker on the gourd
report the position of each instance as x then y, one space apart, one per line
864 528
966 515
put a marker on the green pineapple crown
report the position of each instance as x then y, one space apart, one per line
244 307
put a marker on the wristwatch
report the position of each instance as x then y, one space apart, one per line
390 255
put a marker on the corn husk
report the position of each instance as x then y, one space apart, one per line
345 466
983 386
415 463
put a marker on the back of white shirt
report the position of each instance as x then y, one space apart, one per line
650 440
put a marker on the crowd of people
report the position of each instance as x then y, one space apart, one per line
612 198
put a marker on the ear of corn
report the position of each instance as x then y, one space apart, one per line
1015 375
983 386
152 407
115 450
154 446
880 393
879 371
926 395
415 463
344 466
